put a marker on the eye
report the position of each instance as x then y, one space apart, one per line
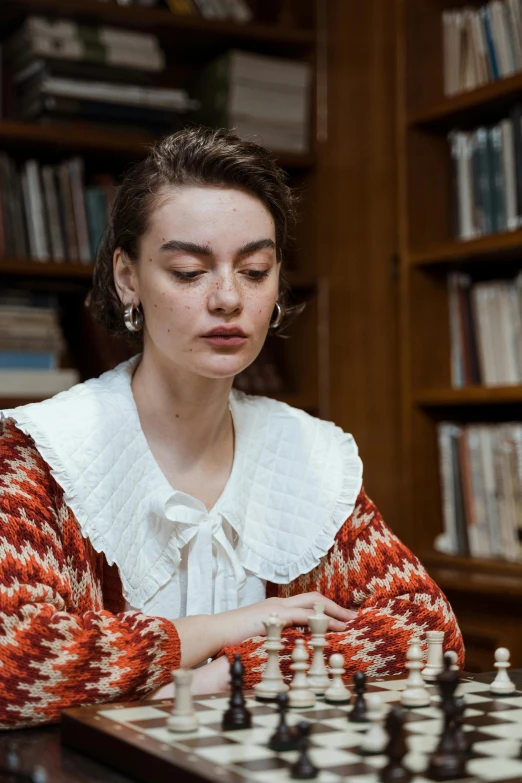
257 274
186 275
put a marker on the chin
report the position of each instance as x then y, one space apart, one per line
223 366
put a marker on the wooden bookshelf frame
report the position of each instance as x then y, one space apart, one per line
162 21
201 39
427 252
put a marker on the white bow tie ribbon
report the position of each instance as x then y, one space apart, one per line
212 585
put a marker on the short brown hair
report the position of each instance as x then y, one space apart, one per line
191 157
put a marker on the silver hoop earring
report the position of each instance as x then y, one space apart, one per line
133 317
279 317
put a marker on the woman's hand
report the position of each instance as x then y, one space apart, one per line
240 624
212 677
203 636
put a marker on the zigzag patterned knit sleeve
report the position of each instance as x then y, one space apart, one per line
58 647
369 571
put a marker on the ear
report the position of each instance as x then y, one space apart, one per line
125 278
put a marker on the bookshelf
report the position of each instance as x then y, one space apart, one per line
484 593
189 42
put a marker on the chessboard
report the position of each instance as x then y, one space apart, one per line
133 738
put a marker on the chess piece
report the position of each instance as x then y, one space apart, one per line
183 717
300 693
502 685
415 693
272 681
318 673
395 771
376 738
39 775
337 692
358 712
237 716
303 769
448 761
454 658
461 737
284 737
434 665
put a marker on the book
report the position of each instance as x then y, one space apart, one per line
36 384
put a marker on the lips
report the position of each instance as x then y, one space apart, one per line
225 331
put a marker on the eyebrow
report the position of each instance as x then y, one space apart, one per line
174 245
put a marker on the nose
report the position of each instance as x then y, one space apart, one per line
225 296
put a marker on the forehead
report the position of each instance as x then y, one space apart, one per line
186 212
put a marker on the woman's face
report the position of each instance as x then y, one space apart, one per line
207 280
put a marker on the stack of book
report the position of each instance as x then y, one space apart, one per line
481 44
485 331
47 214
481 479
487 178
61 71
264 99
31 344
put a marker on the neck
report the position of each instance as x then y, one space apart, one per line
181 408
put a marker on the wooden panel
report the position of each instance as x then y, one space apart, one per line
429 338
357 241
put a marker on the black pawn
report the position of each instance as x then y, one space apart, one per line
461 736
284 737
395 771
303 769
358 713
449 760
237 716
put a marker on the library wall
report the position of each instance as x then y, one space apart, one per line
357 244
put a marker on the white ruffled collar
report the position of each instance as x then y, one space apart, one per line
294 481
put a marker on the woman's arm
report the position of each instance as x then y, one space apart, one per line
369 570
58 647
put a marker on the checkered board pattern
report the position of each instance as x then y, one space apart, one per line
134 739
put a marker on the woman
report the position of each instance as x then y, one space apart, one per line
145 516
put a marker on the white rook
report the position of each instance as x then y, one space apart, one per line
183 717
434 664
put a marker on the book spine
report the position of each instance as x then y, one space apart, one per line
509 173
37 216
51 202
66 201
480 544
80 215
484 12
457 371
497 184
448 543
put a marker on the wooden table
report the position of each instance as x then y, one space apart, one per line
42 747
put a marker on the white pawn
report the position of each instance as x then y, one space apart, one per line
183 717
453 656
376 738
318 673
502 685
300 694
415 694
337 692
435 663
272 682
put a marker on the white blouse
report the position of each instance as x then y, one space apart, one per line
294 481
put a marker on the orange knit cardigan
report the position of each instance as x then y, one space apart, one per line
66 640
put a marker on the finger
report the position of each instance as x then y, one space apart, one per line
330 607
336 625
